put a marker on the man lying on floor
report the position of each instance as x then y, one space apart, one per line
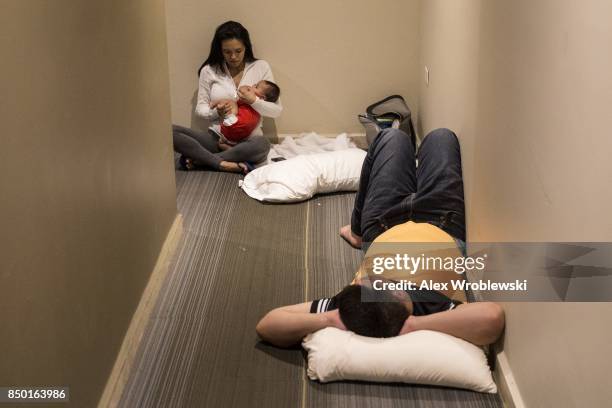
398 202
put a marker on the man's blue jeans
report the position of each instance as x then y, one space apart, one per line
393 190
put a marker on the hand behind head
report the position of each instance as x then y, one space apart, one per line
334 319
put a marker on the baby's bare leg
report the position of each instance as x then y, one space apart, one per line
233 107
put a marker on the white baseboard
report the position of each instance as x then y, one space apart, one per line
507 387
131 342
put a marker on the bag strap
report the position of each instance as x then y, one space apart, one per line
370 108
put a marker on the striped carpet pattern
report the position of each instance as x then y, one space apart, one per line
237 259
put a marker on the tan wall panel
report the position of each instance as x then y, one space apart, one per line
535 141
88 189
449 100
331 59
544 93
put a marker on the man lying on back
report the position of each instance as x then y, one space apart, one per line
398 202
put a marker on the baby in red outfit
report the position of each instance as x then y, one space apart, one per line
242 119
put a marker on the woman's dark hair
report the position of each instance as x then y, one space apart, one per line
369 312
230 30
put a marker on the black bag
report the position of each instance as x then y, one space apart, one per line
389 112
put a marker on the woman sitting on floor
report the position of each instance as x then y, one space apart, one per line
230 72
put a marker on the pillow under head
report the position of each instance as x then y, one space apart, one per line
420 357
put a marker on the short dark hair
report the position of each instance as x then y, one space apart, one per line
229 30
273 92
384 316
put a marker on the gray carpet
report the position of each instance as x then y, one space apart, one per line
236 260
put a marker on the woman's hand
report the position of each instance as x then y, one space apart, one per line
223 146
222 107
247 94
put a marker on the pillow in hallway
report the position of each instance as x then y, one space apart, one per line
301 177
420 357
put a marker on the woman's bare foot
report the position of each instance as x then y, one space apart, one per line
231 167
352 239
234 167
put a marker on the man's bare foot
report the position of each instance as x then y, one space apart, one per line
352 239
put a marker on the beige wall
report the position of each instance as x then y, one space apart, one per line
449 49
330 58
535 134
88 189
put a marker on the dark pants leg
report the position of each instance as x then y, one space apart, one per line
439 199
196 145
202 147
388 176
392 191
255 149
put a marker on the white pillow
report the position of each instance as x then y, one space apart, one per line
420 357
301 177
